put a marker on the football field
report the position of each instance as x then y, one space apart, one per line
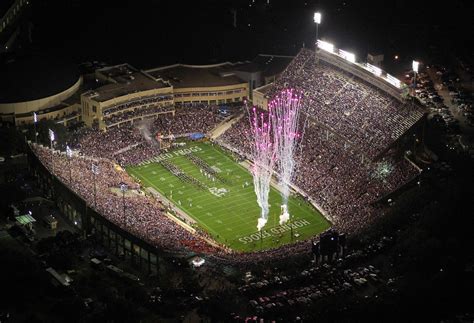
208 184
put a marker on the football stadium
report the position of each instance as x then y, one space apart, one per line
236 161
167 160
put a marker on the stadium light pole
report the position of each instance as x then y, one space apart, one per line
317 21
95 171
69 156
123 188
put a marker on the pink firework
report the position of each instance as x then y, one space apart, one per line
284 111
263 155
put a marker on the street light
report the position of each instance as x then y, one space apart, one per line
69 156
317 21
123 188
95 171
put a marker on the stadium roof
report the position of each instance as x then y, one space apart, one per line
35 77
122 80
183 76
271 64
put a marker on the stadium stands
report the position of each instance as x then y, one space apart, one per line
361 114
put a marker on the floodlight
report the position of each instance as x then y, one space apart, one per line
326 46
317 17
373 69
415 66
347 56
393 80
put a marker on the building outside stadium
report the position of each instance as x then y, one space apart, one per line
36 84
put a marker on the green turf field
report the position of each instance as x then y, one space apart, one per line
227 208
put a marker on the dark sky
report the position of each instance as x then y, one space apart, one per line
149 33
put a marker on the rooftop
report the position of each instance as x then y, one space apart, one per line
183 76
122 80
33 77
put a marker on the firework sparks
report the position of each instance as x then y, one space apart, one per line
284 114
263 155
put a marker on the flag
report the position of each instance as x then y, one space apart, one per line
51 135
35 118
68 151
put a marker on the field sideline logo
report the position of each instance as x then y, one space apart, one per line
274 232
165 156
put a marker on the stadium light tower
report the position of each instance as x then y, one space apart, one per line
123 188
317 21
415 65
95 171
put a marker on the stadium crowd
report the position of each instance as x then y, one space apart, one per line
198 118
127 144
366 117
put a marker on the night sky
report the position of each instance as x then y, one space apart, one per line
149 33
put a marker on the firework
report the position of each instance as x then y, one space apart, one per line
284 114
263 155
